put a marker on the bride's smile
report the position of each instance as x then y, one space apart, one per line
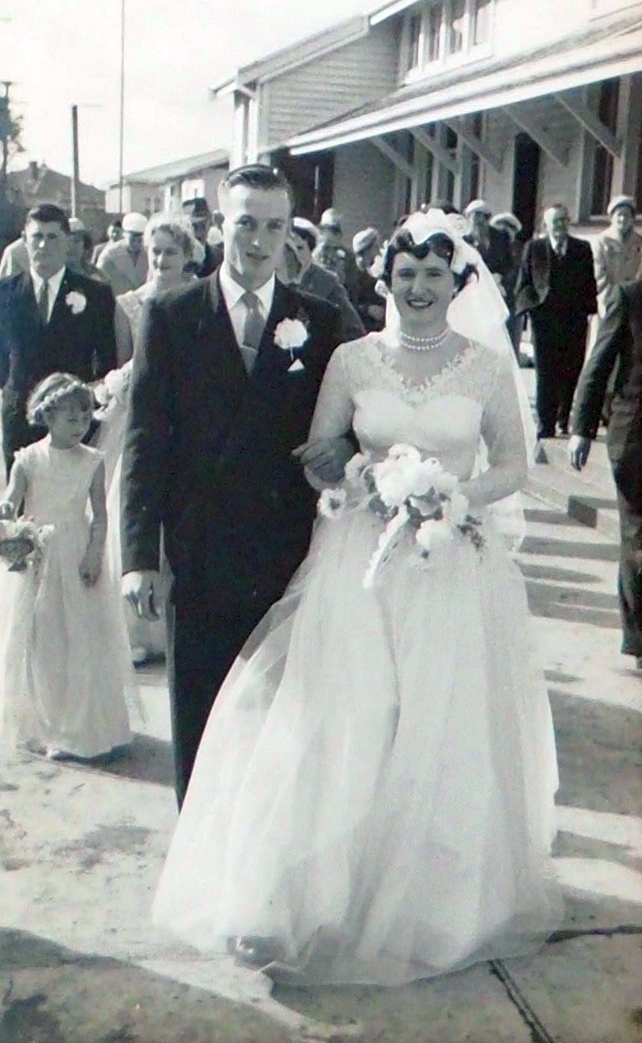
422 289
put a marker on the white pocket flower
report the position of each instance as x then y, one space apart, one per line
332 502
290 334
76 301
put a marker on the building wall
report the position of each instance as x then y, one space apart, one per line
328 86
363 188
143 198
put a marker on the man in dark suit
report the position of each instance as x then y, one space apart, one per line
618 349
200 216
51 319
320 282
219 402
556 286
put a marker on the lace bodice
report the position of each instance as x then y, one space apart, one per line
472 401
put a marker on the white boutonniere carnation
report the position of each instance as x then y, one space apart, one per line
76 301
290 335
331 503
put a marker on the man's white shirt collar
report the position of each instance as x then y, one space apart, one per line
232 291
54 283
563 244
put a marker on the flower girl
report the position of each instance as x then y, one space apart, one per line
64 662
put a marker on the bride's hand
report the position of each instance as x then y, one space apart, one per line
326 458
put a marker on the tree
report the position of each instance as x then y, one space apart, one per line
10 132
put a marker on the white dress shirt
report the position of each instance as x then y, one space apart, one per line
559 248
53 287
232 294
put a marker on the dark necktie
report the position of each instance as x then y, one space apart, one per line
253 329
43 302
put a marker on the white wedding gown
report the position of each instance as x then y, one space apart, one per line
375 785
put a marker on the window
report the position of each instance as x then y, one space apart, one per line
439 30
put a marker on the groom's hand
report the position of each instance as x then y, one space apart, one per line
140 589
326 458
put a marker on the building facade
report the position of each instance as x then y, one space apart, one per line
167 186
523 104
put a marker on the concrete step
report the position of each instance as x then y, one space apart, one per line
587 496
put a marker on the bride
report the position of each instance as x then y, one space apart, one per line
373 798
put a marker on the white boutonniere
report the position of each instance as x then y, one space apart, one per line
76 301
290 335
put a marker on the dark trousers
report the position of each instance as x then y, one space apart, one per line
559 344
627 472
202 644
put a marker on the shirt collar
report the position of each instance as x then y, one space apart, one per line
562 246
232 291
54 281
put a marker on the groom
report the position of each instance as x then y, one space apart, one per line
223 391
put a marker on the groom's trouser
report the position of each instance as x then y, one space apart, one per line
202 644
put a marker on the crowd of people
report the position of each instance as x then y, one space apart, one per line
296 451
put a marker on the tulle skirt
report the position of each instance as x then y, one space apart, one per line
375 786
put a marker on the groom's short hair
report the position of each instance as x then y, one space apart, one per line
257 175
48 213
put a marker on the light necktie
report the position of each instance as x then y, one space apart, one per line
252 330
43 302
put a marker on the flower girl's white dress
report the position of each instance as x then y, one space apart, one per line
375 786
64 656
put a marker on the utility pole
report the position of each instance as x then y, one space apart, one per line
122 105
75 181
5 135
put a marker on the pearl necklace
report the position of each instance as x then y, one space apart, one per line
423 343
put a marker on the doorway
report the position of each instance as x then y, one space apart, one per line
525 183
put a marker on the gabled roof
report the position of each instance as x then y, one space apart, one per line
51 185
295 54
178 168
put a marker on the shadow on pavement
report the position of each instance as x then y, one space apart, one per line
50 994
570 549
573 604
146 760
549 517
532 571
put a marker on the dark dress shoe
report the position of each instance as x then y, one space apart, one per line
253 951
540 455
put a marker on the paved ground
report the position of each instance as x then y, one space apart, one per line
81 849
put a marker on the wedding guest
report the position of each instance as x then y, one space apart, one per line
80 251
618 350
223 390
50 318
200 216
312 278
114 235
556 288
493 243
512 227
331 253
617 251
64 662
366 246
125 263
15 258
373 798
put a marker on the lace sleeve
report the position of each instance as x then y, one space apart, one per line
503 433
335 407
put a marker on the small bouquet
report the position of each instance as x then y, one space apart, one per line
113 389
411 495
22 544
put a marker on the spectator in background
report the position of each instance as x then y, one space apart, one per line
125 263
617 252
370 306
493 244
319 281
200 215
114 235
512 227
80 251
556 287
15 258
331 254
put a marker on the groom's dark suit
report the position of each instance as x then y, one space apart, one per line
81 344
208 454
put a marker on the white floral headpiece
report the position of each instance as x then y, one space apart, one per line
422 225
53 399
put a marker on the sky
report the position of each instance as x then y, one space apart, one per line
67 52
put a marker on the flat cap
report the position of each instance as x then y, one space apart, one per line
478 206
331 218
364 239
621 201
134 222
506 218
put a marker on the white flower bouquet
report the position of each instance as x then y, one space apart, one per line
22 543
412 495
113 389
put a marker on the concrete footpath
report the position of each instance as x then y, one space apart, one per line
81 849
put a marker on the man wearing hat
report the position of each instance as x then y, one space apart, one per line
319 281
617 251
200 215
370 306
493 243
125 263
512 227
114 235
333 255
556 287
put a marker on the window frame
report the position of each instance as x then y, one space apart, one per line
468 52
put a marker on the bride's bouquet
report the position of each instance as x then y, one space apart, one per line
113 390
22 544
412 495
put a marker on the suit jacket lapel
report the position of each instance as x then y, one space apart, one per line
215 327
